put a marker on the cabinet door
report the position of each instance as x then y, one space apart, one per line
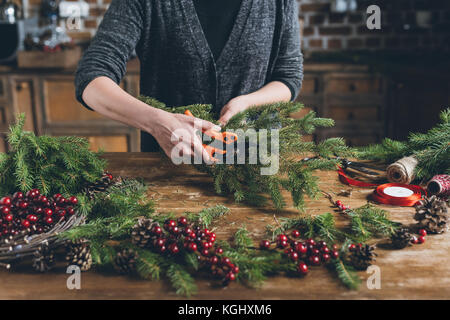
23 91
64 115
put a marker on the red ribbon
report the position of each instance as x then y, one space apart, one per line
345 179
381 197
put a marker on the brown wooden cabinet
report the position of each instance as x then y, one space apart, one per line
47 97
353 97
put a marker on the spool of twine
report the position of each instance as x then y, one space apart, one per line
402 171
439 185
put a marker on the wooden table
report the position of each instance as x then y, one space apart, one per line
417 272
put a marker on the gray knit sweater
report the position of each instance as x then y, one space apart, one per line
177 66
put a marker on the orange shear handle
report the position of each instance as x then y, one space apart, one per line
225 137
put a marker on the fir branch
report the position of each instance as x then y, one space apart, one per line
181 280
432 149
242 239
207 216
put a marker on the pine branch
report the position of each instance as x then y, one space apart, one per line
207 216
181 280
432 149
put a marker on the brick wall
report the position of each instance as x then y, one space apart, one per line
327 30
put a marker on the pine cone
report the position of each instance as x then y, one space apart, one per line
79 254
362 257
125 261
99 186
432 215
142 232
401 238
44 259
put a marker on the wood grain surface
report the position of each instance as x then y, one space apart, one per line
417 272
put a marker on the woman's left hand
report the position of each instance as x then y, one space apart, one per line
233 107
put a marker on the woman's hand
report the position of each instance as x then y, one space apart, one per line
180 131
233 107
272 92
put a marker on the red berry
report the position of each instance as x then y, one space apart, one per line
334 254
43 198
162 249
423 232
205 252
314 260
226 261
335 247
6 210
421 239
295 234
302 268
214 260
205 245
160 242
48 212
326 257
174 248
283 244
62 213
70 211
9 217
57 195
339 203
315 252
182 221
301 248
49 220
282 237
175 230
231 276
5 201
32 218
73 200
219 250
414 240
293 256
311 242
192 247
325 249
352 247
236 270
23 205
18 195
26 223
265 244
171 223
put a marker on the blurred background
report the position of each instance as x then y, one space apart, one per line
373 83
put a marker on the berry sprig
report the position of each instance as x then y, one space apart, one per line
33 213
303 253
176 236
421 238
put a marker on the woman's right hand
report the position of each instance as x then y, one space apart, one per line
180 131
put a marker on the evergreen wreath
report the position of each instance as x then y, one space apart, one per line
244 181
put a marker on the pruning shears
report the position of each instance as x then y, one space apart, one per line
357 166
224 137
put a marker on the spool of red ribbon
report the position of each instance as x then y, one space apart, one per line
397 194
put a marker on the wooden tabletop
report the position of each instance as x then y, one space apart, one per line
417 272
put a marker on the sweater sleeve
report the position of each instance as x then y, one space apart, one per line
289 63
114 42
